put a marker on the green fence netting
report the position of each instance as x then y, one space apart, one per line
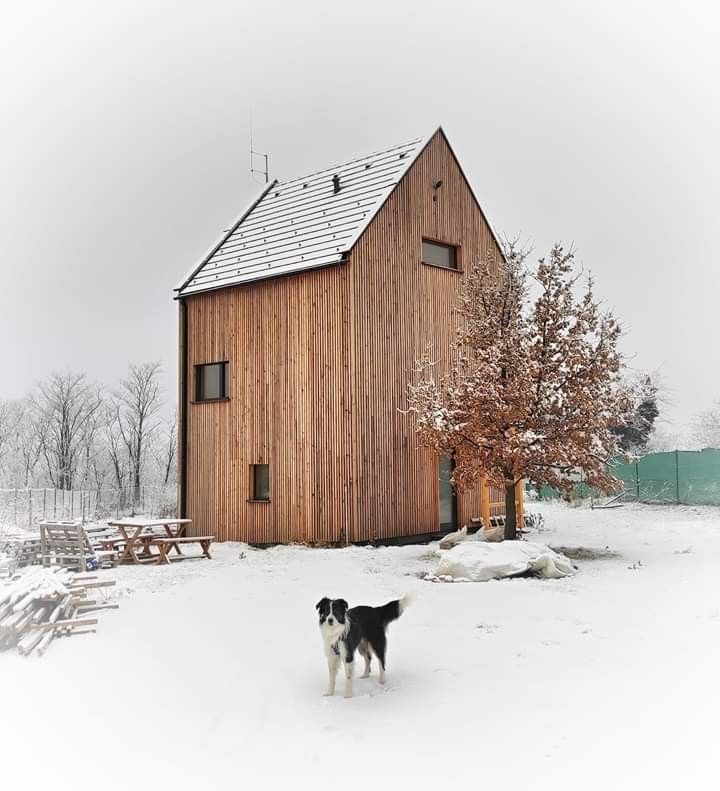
682 476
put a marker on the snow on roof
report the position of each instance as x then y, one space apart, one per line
304 223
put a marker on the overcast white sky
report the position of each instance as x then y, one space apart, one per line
124 153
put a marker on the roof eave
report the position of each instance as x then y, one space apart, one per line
189 277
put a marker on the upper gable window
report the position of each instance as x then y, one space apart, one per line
211 382
439 254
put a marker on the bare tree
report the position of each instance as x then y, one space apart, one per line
64 406
27 447
705 431
166 459
136 406
534 388
8 427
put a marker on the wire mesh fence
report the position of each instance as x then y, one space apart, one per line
682 477
24 508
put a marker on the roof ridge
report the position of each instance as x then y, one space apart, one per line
414 141
291 229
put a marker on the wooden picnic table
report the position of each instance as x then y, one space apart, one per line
140 532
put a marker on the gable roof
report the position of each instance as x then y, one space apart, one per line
303 223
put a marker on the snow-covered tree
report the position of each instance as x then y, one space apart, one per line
634 434
534 386
705 431
26 445
64 409
166 449
8 421
136 406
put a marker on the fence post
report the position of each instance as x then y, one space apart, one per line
637 479
55 503
677 476
44 502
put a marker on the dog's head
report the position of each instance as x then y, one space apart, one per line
332 614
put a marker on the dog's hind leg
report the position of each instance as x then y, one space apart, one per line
364 650
333 665
379 646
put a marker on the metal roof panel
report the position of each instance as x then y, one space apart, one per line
303 223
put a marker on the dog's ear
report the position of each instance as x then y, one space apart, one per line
322 603
342 604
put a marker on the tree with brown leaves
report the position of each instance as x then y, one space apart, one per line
534 387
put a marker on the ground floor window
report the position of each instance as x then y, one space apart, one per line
260 482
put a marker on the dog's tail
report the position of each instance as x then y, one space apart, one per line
394 609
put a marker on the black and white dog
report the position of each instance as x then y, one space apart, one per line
363 628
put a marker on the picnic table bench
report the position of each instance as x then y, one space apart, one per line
138 537
165 544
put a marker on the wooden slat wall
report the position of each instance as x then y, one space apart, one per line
319 367
398 307
286 341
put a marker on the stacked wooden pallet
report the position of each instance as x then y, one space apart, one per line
40 604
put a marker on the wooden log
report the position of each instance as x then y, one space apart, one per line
68 607
89 608
105 584
21 625
26 645
45 642
70 622
12 621
25 601
55 614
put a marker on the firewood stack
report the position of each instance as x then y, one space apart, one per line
41 604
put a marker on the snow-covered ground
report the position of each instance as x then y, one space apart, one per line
211 673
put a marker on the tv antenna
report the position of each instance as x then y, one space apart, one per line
254 156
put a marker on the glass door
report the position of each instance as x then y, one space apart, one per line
448 498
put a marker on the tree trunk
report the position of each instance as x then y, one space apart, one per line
510 513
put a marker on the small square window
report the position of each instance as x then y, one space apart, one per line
260 482
439 254
211 382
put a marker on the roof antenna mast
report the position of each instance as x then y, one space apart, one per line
254 155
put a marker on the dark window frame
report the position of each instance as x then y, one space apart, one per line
254 484
224 382
448 246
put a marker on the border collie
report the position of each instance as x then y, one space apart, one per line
363 628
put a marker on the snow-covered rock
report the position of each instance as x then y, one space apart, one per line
479 561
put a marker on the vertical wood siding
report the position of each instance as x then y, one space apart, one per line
286 342
319 367
400 307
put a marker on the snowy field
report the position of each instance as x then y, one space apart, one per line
211 673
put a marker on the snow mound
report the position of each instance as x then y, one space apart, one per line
479 561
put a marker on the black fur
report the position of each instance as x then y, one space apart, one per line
367 626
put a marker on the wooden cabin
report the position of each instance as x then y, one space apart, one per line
298 337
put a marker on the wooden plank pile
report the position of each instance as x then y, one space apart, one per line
41 604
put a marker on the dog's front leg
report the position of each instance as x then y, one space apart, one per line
349 670
333 664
